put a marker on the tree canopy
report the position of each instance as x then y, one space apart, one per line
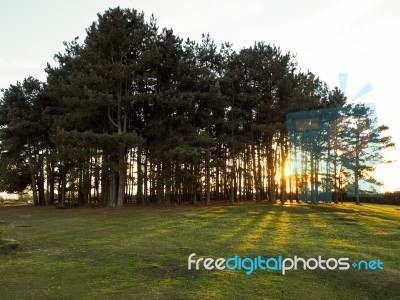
137 114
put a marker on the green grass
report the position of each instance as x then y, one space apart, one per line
142 252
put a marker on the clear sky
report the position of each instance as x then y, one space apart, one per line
358 37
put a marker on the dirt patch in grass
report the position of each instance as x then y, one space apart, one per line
8 245
346 220
253 213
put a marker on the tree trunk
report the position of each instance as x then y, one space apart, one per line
139 192
121 177
356 188
159 183
272 193
32 172
208 173
168 184
256 173
63 185
233 180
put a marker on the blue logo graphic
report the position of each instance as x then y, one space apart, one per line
374 264
334 149
342 86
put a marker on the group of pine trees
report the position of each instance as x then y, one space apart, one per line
136 114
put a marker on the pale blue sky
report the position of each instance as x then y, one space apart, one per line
358 37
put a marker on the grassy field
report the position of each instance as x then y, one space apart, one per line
142 252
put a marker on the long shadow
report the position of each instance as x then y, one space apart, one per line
252 239
245 232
